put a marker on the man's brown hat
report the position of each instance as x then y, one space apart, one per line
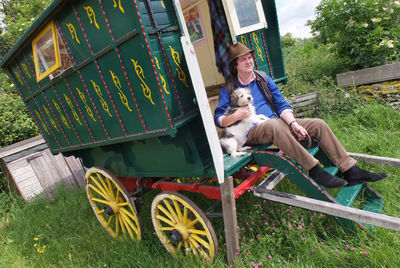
237 50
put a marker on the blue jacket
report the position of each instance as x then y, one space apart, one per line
260 101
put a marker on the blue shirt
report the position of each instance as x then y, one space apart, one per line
260 102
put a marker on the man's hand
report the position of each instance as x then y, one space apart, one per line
301 133
240 114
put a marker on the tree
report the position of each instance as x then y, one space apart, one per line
365 33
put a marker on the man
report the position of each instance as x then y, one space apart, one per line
283 128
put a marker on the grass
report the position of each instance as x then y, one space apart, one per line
65 232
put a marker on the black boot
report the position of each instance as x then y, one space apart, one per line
356 175
325 179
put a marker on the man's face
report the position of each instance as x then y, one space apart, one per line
245 64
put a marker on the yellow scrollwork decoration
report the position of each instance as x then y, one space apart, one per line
42 122
26 70
140 74
88 110
158 65
68 100
121 94
61 115
164 84
72 31
53 123
119 6
258 49
177 60
91 16
18 77
243 39
104 104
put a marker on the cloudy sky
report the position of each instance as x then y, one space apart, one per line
293 15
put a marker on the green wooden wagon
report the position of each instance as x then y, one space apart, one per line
122 85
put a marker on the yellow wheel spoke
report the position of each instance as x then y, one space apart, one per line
200 232
98 191
117 223
171 210
161 218
111 190
127 213
160 207
200 240
122 225
178 210
192 223
167 228
103 183
185 214
109 220
117 196
98 211
124 204
104 191
187 246
178 248
193 245
129 222
100 201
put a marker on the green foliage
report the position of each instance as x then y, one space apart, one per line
364 33
16 124
18 16
288 40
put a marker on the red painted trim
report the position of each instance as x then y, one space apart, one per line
301 172
252 47
250 181
94 106
152 63
373 190
66 114
80 111
266 52
55 117
211 192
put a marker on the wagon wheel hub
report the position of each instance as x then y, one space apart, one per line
112 208
179 234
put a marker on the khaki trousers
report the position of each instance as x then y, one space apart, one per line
278 132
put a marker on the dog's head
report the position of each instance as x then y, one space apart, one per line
241 97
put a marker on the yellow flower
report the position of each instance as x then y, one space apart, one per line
34 245
36 239
376 19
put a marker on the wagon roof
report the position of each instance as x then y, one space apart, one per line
36 25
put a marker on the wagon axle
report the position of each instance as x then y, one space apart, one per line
176 237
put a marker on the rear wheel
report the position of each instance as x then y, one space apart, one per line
182 226
112 205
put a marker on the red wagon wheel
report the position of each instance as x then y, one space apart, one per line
112 205
182 226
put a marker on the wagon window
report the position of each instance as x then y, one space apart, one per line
45 52
246 15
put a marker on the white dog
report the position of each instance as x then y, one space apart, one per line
235 136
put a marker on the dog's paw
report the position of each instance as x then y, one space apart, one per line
244 148
236 154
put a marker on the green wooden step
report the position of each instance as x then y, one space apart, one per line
348 194
333 170
313 150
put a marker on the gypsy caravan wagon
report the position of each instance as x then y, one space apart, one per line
122 85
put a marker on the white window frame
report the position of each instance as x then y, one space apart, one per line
233 20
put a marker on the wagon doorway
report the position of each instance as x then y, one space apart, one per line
213 25
198 22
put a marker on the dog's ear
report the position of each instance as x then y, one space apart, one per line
234 99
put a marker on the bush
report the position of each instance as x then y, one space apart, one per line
16 124
364 33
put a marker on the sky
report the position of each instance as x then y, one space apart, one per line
293 15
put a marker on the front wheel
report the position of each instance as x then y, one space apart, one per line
182 226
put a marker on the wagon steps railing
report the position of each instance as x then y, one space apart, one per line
319 200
